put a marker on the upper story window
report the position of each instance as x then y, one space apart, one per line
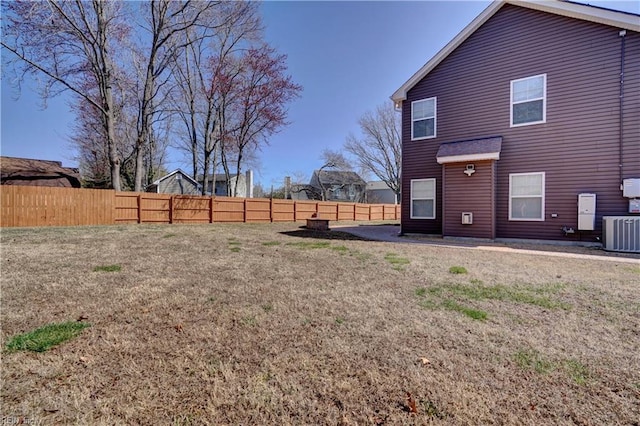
526 196
529 100
423 119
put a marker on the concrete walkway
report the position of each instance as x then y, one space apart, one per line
389 233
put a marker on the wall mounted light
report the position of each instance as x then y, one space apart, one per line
469 169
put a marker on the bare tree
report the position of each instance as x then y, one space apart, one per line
72 44
263 92
205 75
337 159
88 141
379 148
171 27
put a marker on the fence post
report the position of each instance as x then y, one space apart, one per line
139 208
244 202
295 211
171 209
271 210
211 209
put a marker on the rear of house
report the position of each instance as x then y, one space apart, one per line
218 185
176 182
532 105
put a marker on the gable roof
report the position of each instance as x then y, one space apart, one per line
614 18
176 171
28 169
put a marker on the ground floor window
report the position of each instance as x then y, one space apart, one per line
423 199
526 196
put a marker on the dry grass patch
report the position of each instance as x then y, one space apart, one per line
307 327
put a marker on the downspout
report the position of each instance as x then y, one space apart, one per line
622 34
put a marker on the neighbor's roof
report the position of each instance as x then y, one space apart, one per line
470 150
614 18
176 171
338 177
15 168
218 177
376 185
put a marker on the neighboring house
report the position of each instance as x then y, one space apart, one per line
531 105
378 192
176 182
303 191
30 172
337 186
219 186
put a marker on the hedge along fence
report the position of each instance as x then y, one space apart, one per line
45 206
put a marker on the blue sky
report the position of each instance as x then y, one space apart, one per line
348 56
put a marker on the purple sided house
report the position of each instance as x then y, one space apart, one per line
526 126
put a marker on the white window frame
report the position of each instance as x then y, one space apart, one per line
541 196
434 117
543 98
433 181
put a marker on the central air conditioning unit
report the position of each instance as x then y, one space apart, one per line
621 233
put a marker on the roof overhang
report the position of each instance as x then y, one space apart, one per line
470 150
620 20
176 171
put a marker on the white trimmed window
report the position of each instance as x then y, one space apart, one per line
423 119
526 196
529 100
423 199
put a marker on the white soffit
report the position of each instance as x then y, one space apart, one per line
467 158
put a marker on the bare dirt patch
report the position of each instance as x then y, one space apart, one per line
272 324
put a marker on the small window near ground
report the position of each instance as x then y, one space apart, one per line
529 100
423 119
423 199
526 196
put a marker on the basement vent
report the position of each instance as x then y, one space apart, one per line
621 233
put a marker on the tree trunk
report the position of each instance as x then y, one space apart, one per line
114 159
235 186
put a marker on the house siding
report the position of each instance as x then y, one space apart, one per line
577 147
172 185
472 194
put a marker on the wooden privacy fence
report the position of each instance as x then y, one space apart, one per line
43 206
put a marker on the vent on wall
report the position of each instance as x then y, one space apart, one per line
621 233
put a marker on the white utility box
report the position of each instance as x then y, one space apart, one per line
467 218
631 188
586 212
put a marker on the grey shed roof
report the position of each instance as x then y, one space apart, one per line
337 177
